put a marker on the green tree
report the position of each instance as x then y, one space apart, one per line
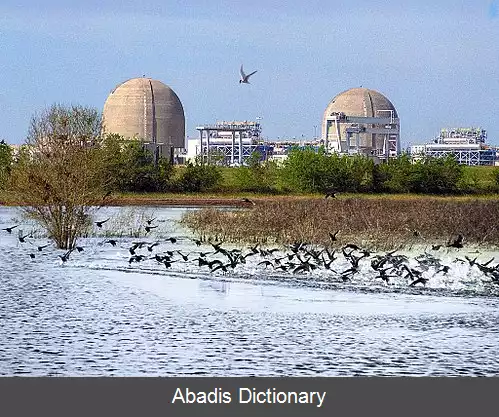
199 176
437 175
6 160
257 175
395 176
130 167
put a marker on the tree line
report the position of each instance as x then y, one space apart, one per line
124 165
67 169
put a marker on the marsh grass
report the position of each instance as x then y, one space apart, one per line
378 224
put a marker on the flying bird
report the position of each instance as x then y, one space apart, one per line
99 224
245 77
9 229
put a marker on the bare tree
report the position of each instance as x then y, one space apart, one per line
62 181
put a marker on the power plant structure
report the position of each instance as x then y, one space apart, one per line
148 110
361 121
234 142
466 144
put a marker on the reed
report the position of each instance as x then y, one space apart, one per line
375 223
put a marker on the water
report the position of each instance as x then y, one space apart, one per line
99 315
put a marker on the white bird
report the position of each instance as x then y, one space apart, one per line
244 77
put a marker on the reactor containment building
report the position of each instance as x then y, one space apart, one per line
148 110
361 121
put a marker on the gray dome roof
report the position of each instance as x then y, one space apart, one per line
146 109
360 102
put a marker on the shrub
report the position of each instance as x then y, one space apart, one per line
198 176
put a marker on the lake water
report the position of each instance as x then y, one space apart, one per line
98 314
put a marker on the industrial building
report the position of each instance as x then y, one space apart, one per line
466 144
361 121
147 110
232 141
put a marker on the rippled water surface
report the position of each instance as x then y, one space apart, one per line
99 315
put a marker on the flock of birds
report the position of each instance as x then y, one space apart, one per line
298 258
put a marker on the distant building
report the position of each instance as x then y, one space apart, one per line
148 110
233 142
466 144
361 121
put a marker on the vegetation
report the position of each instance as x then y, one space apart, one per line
376 223
6 160
61 179
130 167
67 169
198 176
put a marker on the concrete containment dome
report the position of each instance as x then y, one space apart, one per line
145 109
361 102
362 121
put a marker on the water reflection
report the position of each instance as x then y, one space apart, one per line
221 287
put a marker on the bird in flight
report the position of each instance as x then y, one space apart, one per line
245 77
99 224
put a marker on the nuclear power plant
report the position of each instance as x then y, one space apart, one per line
358 121
361 121
147 110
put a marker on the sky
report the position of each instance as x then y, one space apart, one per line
437 61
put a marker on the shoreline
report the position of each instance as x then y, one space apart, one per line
236 200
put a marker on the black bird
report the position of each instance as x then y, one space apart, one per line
351 246
436 247
171 239
217 246
99 224
197 242
111 241
295 247
220 266
332 236
168 263
254 249
65 257
247 200
384 276
135 246
266 263
149 228
9 229
40 248
456 243
149 221
419 280
32 255
136 258
79 249
327 265
22 239
184 257
150 247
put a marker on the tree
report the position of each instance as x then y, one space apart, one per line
62 180
199 176
6 160
131 167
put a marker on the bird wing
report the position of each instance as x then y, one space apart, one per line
243 75
250 74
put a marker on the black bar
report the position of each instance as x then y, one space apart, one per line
155 396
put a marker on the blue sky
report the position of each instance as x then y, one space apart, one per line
437 63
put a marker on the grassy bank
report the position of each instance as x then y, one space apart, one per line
377 223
